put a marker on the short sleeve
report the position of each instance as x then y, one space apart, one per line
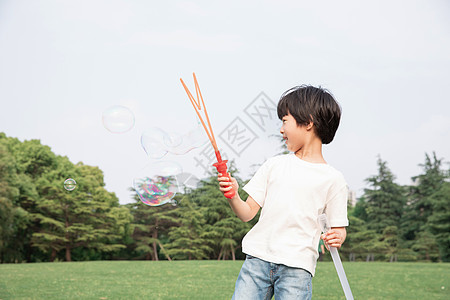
257 186
336 208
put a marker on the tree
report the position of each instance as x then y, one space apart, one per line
362 242
150 224
359 211
426 246
13 219
384 199
188 240
16 191
390 237
223 230
33 158
425 220
419 206
439 221
39 218
7 192
88 217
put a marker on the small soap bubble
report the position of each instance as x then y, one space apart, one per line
118 119
157 184
70 184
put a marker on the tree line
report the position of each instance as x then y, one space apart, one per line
41 221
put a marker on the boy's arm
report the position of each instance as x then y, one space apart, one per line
334 237
244 210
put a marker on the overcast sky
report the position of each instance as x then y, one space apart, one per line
62 63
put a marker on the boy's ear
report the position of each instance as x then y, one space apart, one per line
310 124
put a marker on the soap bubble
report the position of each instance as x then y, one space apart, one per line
195 138
172 139
157 183
70 184
153 142
118 119
157 143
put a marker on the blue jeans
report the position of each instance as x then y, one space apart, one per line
260 279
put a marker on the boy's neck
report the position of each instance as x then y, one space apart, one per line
311 152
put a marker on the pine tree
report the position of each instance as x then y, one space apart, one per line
439 221
359 211
188 239
223 230
151 224
390 237
361 242
419 206
426 246
384 199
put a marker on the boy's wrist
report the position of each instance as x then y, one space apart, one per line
234 198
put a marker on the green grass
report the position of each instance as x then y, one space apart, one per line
210 280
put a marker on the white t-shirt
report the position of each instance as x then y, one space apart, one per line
293 193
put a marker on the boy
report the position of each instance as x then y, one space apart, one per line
292 190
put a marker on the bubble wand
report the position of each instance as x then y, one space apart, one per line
221 165
324 226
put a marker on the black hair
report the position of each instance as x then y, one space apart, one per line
312 104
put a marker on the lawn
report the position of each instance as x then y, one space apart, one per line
210 280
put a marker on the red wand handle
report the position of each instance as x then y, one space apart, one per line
221 166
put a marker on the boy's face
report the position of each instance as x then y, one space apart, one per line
293 134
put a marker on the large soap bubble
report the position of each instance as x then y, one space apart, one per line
157 142
157 184
118 119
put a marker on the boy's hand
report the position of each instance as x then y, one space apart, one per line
226 185
335 237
